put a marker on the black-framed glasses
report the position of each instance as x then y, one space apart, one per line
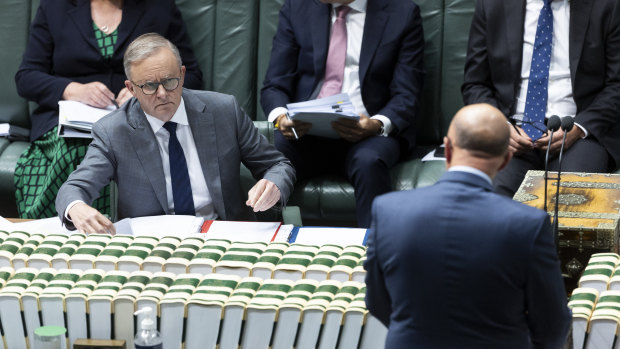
149 88
535 124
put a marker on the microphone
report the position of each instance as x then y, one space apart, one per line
566 124
553 124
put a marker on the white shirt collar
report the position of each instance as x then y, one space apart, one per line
357 5
180 117
472 170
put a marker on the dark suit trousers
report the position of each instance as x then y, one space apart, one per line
585 155
366 164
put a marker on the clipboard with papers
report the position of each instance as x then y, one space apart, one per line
322 112
76 119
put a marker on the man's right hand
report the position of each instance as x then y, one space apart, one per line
285 126
94 93
520 142
89 221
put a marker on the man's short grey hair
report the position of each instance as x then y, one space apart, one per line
144 46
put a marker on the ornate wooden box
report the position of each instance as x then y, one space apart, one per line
589 211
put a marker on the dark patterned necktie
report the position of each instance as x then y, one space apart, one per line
538 82
181 187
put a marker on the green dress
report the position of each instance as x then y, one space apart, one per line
49 161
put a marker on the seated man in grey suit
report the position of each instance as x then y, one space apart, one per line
173 151
455 265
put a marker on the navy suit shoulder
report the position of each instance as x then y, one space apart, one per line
456 265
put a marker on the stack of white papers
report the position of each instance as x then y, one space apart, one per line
76 119
322 112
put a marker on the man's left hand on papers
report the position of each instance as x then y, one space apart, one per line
89 221
263 195
354 130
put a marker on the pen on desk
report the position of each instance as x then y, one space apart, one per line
288 117
115 103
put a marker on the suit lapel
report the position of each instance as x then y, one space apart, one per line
579 18
202 124
146 148
80 16
320 16
132 13
377 17
514 18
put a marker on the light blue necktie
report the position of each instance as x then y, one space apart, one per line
181 186
538 83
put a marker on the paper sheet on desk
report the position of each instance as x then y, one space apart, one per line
44 226
244 231
325 235
160 226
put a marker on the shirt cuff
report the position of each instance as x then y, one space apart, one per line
69 207
585 132
275 113
387 124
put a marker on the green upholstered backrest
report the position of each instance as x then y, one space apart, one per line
15 20
428 118
199 17
457 19
224 37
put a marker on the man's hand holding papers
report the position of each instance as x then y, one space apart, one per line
317 118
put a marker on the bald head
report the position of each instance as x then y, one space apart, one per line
480 129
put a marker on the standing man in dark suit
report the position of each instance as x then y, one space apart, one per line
455 265
173 151
370 49
536 58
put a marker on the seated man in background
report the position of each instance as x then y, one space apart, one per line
374 53
537 58
455 265
172 150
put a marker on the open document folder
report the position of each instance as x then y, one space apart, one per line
322 112
76 119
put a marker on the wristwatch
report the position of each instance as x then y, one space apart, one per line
382 129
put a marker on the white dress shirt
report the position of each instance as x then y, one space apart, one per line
203 204
560 100
351 79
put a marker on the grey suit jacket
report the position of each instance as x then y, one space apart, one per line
124 149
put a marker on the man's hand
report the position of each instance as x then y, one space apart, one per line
520 142
354 131
94 93
89 221
263 195
123 96
556 143
285 126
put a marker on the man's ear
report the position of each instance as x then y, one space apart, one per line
130 87
507 159
447 150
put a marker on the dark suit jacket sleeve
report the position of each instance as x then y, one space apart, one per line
282 75
83 184
35 80
405 89
262 158
600 115
548 315
478 86
378 299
